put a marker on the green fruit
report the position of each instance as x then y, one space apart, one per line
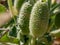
24 16
39 19
57 20
18 3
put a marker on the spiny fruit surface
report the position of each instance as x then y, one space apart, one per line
39 19
57 20
23 19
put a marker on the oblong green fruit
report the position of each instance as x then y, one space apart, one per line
18 4
39 19
23 19
57 20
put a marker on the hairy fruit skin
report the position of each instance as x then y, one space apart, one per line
24 16
39 19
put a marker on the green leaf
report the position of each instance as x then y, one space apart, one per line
6 39
2 8
54 7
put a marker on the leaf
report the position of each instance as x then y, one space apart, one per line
6 39
2 8
54 7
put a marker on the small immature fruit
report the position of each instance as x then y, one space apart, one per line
57 20
39 19
24 16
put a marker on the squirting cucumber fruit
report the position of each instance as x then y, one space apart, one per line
24 16
39 19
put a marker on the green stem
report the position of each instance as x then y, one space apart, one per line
15 3
11 9
50 27
18 4
33 41
10 5
49 4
